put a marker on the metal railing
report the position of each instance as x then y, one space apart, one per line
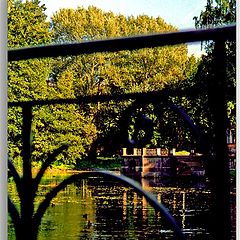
26 222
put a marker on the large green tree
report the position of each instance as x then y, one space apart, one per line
88 126
121 72
125 71
26 79
31 80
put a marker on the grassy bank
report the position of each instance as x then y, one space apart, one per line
102 163
113 164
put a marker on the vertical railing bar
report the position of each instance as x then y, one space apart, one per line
26 136
220 169
26 195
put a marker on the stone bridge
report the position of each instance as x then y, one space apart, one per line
159 162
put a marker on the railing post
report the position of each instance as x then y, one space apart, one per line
220 169
27 195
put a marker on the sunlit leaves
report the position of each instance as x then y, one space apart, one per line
121 72
94 74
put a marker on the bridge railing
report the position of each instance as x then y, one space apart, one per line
27 221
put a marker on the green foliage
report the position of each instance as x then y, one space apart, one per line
27 24
121 72
102 73
60 124
125 71
101 163
27 80
219 13
181 153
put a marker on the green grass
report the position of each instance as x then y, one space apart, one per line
102 162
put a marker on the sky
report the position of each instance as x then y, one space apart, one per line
178 13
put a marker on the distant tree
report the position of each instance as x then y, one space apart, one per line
88 127
31 80
219 13
121 72
127 71
216 13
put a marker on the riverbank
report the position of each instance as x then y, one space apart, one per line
111 164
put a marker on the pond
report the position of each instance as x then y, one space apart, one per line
96 208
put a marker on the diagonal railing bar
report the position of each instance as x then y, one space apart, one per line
197 132
50 159
201 138
118 44
14 215
14 173
121 178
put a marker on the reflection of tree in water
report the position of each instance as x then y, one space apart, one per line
97 209
109 212
123 214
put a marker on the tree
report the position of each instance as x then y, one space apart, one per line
219 13
26 79
69 77
216 13
31 80
120 72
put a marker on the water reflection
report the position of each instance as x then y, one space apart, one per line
96 208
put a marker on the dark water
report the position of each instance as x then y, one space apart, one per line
99 209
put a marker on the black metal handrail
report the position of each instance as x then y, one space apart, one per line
24 222
161 95
125 43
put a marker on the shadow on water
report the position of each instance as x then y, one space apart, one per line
96 208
